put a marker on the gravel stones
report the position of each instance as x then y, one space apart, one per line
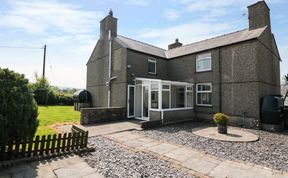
271 150
112 160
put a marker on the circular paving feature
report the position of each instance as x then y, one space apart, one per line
233 135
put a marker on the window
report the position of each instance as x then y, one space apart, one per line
189 96
204 94
203 62
165 96
154 95
151 66
177 96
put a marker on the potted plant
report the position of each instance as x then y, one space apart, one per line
221 120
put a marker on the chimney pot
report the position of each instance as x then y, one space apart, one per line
175 45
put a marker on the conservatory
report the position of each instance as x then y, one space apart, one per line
154 99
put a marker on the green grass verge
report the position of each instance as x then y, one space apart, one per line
50 115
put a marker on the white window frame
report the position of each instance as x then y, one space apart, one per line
134 102
186 94
201 59
165 82
208 91
152 60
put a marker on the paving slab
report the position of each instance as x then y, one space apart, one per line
104 128
74 170
45 172
71 166
201 165
133 143
162 148
182 154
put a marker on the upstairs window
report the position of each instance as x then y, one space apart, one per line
151 66
203 62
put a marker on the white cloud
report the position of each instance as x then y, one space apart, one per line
171 14
69 31
41 16
186 33
138 2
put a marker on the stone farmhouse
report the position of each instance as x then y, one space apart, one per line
228 73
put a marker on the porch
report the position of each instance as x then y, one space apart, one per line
156 100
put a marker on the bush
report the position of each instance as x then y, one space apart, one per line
18 109
220 118
64 99
45 94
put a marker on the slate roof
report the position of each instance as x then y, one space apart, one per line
223 40
140 46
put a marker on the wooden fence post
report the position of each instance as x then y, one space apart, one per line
30 144
48 145
58 143
64 142
16 150
36 146
10 149
86 139
2 152
73 141
53 143
68 142
23 147
42 145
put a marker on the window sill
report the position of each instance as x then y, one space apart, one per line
150 73
204 105
201 71
172 109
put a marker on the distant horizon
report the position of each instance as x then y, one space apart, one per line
71 29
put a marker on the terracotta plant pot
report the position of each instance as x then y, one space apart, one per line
222 128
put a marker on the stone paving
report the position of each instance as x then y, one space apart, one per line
193 161
233 135
71 166
106 128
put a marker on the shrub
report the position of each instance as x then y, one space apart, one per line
18 109
64 99
220 118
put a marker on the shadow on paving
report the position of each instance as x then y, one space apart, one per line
58 167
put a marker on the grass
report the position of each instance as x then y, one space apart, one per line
50 115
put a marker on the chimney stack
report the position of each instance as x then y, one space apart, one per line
174 45
108 23
259 15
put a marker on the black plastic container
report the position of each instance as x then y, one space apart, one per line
272 110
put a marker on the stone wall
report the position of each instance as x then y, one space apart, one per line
100 115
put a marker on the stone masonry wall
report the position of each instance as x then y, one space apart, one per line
100 115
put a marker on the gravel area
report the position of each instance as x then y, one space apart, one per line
271 150
112 160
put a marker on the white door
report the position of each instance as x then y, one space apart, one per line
145 102
131 101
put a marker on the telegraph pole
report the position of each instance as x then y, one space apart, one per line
44 60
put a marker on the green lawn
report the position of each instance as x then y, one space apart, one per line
49 115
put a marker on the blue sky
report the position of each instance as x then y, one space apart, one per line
70 28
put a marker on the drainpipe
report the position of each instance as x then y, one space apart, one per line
219 80
109 70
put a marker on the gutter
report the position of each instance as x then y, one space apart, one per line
109 71
219 80
108 83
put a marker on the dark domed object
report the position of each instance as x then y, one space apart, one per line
82 96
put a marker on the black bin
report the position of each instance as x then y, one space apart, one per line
272 110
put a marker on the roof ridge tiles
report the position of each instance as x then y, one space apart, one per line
142 42
226 34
